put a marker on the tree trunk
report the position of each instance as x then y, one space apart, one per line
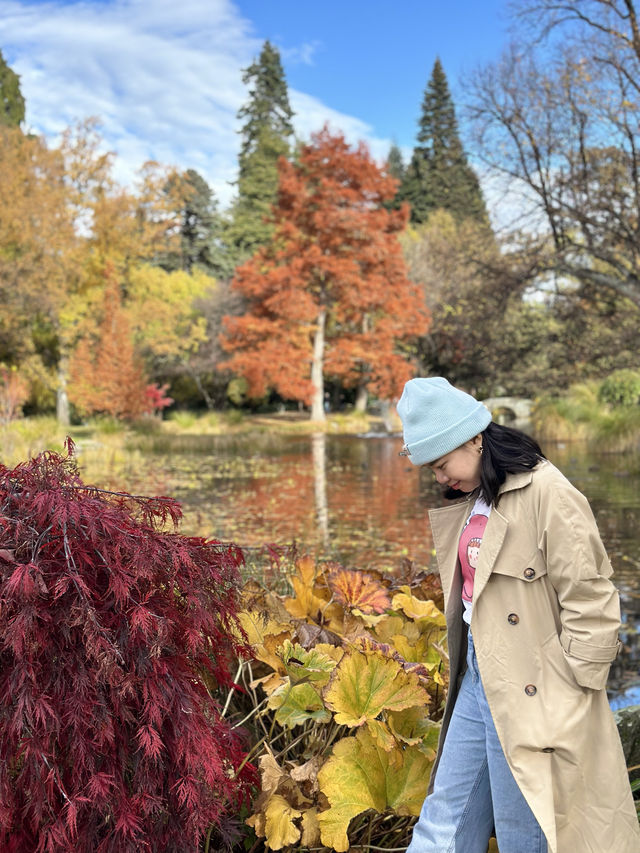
362 396
203 391
317 378
62 400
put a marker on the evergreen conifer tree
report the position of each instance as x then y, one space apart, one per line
266 133
201 245
439 175
12 107
395 168
395 164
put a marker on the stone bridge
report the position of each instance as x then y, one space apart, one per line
516 408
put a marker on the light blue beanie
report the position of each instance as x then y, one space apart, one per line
437 418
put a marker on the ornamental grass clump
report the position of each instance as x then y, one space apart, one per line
114 635
347 685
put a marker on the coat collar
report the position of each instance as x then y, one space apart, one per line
517 481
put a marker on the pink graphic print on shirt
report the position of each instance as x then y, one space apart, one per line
468 551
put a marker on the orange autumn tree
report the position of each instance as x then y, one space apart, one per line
329 296
106 377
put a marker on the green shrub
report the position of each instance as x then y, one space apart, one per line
106 425
621 388
183 419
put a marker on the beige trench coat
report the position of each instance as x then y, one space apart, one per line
545 622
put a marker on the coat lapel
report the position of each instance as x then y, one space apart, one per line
492 542
494 534
446 526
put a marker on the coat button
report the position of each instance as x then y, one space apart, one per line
548 749
529 573
513 619
531 690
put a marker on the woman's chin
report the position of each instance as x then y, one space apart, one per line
451 494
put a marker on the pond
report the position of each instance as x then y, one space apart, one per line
354 500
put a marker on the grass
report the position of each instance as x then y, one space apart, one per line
26 437
581 415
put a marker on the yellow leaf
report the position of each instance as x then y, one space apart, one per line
417 651
265 635
414 727
359 775
306 570
269 683
381 734
365 684
275 780
280 829
389 626
334 652
271 774
369 619
417 608
257 821
306 603
256 598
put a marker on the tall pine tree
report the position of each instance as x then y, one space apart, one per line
395 168
11 101
201 246
439 175
266 135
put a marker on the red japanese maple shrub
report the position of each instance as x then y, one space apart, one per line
111 627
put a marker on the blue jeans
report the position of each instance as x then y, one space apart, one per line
474 789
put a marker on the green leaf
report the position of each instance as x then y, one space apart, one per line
296 704
302 665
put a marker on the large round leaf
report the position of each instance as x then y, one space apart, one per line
366 683
360 775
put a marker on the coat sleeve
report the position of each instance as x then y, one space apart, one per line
579 571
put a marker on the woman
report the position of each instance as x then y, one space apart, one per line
529 748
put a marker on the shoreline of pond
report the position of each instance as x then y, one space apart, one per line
346 497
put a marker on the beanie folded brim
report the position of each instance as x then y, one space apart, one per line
432 448
437 418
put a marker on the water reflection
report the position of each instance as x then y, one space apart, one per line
355 500
319 455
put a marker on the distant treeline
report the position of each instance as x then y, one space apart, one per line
331 278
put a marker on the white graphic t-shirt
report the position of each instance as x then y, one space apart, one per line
469 550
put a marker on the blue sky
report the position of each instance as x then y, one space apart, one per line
164 77
373 58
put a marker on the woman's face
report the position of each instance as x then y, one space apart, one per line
460 469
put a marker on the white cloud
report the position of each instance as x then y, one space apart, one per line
164 79
303 54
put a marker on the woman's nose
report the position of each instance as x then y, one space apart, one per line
441 477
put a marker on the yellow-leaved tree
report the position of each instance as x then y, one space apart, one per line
167 325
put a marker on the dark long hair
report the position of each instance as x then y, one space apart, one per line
504 451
